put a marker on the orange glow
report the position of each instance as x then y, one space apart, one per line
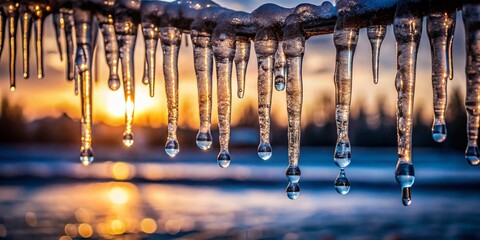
85 230
148 225
116 105
118 195
117 227
121 171
71 230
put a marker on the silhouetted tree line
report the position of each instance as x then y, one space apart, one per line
378 130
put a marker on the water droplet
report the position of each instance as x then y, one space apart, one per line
86 156
223 159
342 155
264 151
439 132
293 174
172 148
128 139
113 83
342 185
405 174
204 140
293 191
471 155
279 84
12 88
406 197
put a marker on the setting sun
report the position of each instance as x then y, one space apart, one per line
116 104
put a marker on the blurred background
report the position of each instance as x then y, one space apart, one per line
140 193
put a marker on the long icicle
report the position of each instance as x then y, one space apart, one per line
126 38
12 26
151 35
83 66
280 62
171 41
69 28
203 62
376 34
26 26
39 42
265 48
224 52
111 50
242 55
440 27
471 20
408 30
345 40
294 49
58 24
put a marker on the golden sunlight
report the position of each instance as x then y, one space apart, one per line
116 104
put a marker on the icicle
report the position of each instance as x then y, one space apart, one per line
58 24
12 13
111 51
203 61
26 25
471 19
376 34
242 55
171 40
69 28
440 27
145 80
408 30
224 52
126 43
39 44
280 62
345 40
265 50
3 19
294 49
151 35
83 70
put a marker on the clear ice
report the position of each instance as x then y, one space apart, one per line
408 31
242 55
376 34
471 20
26 27
280 61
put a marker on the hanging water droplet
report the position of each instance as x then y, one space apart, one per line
472 155
264 150
204 140
293 174
113 83
342 155
342 185
223 159
406 197
293 190
128 139
172 148
439 131
86 156
12 88
279 84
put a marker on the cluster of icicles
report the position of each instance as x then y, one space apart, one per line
223 36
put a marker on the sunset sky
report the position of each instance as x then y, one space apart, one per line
52 95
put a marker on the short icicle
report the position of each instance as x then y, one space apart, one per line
111 50
408 30
280 62
265 48
203 62
242 55
171 41
3 19
376 34
68 30
440 27
224 52
471 19
345 40
26 26
58 24
294 50
39 19
151 35
83 67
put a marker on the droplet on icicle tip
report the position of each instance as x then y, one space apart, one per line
204 140
86 156
342 155
264 151
172 148
293 191
342 185
439 132
471 155
128 139
223 159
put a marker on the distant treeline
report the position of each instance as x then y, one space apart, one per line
14 129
